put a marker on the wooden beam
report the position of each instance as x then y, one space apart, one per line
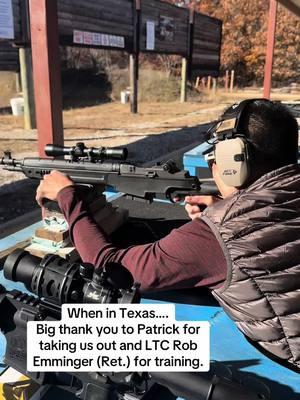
208 83
190 44
134 58
183 95
27 87
270 48
46 72
7 252
18 82
226 80
214 85
133 67
232 80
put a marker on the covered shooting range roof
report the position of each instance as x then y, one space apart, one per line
292 5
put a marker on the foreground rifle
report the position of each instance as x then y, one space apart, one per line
80 283
87 166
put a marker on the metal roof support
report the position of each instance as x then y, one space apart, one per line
270 48
46 72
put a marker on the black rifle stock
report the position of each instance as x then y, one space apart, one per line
162 181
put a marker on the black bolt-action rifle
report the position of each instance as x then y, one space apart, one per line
88 166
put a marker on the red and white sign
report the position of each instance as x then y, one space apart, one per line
78 37
98 39
88 38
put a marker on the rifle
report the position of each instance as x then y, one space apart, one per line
80 283
88 166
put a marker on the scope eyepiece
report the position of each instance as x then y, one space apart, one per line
81 151
28 264
58 281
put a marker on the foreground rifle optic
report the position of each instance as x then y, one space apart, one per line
87 166
55 281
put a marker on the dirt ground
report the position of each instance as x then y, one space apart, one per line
112 124
108 125
157 129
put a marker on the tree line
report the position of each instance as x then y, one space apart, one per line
245 36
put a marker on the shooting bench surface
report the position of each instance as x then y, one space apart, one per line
150 222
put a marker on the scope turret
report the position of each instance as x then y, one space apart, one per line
81 151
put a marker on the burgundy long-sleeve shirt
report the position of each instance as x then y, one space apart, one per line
188 257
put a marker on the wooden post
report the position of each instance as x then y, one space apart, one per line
27 87
46 72
134 58
190 44
214 85
270 48
133 66
18 82
226 80
208 83
183 95
131 77
197 82
232 81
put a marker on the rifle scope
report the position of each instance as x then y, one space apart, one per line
58 281
81 151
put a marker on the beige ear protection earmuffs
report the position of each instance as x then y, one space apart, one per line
231 147
232 159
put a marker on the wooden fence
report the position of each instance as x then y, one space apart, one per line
111 18
207 45
9 57
171 27
120 25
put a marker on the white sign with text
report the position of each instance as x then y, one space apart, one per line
6 20
118 337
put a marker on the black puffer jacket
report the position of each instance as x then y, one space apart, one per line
259 231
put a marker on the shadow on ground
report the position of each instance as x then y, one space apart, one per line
5 110
83 88
156 146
